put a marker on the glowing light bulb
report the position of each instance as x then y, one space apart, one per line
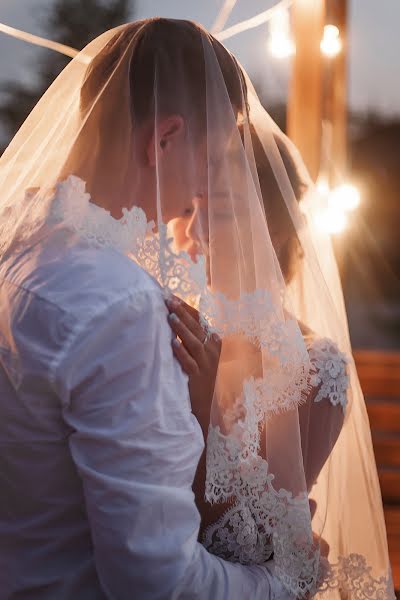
346 197
281 44
331 43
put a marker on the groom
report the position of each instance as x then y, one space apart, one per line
99 446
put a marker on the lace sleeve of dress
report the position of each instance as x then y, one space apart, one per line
328 372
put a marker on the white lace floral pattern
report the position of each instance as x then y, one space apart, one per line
351 575
262 521
131 234
71 205
328 372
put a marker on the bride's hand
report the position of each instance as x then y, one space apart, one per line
198 355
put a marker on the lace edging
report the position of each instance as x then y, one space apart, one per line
352 575
72 206
262 520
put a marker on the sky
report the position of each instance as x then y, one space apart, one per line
374 48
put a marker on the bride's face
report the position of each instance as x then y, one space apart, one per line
211 224
192 233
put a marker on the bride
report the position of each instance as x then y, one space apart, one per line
331 428
99 443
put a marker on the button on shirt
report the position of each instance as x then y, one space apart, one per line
98 444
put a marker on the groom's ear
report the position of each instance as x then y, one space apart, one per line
169 130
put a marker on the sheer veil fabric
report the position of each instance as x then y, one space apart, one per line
156 121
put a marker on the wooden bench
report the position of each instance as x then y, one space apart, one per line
379 374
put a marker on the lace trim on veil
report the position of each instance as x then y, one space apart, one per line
72 206
263 521
351 575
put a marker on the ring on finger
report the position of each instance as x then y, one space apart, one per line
207 333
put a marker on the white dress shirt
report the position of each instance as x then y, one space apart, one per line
98 444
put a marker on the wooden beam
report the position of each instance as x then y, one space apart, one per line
336 93
305 92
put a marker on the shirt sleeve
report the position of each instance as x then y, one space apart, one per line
136 445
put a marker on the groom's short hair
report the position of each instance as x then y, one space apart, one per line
164 52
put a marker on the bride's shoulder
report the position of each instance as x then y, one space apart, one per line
317 344
320 347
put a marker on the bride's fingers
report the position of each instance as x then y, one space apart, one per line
190 309
187 363
185 322
186 315
191 342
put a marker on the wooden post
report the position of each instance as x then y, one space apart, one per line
305 94
334 116
338 93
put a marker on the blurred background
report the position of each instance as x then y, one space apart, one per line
327 72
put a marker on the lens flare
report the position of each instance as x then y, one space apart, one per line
331 220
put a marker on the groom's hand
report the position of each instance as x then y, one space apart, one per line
198 355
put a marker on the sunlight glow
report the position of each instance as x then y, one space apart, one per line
323 185
346 196
332 218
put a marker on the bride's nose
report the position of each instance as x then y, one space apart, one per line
197 227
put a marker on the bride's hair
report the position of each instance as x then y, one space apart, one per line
276 211
164 51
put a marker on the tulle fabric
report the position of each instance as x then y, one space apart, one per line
155 122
